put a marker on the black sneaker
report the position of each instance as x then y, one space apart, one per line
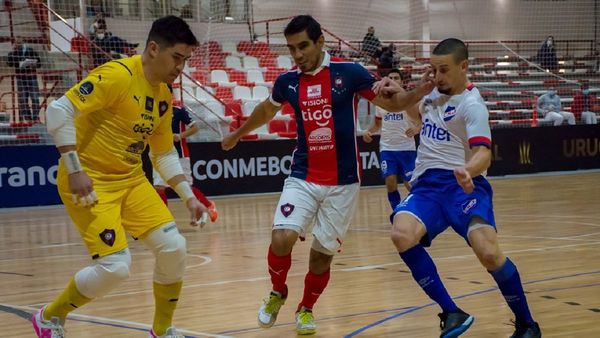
453 324
527 331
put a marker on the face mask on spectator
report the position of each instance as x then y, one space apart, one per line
585 91
24 46
549 42
100 36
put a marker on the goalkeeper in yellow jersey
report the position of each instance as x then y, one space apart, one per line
101 127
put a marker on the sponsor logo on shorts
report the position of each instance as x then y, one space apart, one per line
287 209
468 205
108 237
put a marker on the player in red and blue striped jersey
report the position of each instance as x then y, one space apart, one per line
325 174
183 126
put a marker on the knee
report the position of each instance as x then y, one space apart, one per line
402 238
319 263
109 271
282 241
491 258
170 250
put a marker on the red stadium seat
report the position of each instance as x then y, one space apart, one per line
224 93
244 46
287 109
277 126
272 73
233 108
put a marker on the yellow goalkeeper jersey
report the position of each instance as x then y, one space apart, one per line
121 112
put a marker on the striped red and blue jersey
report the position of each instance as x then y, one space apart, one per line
181 121
325 104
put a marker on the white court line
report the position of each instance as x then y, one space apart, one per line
118 322
592 234
369 267
358 268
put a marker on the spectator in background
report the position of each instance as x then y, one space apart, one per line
387 60
549 106
546 56
583 105
371 44
108 46
94 25
26 61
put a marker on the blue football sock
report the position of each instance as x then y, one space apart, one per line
425 273
509 282
394 198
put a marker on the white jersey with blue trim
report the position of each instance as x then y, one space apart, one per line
393 131
451 126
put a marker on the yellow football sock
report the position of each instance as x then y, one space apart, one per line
165 299
69 300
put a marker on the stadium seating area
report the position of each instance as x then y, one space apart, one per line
223 82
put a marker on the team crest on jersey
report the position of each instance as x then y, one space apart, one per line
313 91
162 108
287 209
149 103
338 82
108 237
86 88
449 113
468 205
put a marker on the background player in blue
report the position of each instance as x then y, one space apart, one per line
449 189
324 180
397 148
184 126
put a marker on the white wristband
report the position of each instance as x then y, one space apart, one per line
184 190
71 162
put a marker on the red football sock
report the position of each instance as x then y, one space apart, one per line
278 269
313 287
200 196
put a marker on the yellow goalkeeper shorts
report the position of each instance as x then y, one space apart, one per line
136 210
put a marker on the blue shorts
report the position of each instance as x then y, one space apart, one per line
399 163
439 202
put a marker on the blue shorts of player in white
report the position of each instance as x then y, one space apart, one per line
399 163
439 202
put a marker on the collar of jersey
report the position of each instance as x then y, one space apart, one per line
325 63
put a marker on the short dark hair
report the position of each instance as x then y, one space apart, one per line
170 30
453 46
303 23
395 70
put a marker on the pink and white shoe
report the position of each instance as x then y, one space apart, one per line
52 328
171 333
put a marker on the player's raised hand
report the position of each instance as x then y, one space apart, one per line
82 190
464 179
229 141
386 87
197 212
427 83
367 137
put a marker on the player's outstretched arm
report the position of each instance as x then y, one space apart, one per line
59 122
392 97
262 113
373 129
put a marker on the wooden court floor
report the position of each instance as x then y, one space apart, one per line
548 225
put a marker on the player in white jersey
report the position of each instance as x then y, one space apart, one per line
449 189
397 148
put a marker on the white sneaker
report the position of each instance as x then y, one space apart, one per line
305 322
171 333
47 329
267 314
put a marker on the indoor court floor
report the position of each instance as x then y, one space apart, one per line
548 224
